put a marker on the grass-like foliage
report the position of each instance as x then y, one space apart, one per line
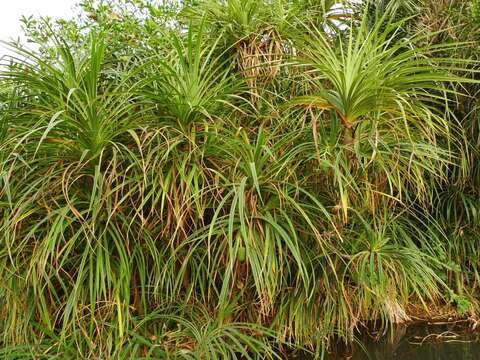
233 179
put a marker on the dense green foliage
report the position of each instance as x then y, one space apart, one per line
237 178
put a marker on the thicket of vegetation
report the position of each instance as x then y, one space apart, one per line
236 178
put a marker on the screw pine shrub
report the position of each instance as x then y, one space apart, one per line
234 179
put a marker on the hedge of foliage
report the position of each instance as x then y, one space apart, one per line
236 178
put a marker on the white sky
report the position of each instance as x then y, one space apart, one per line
12 10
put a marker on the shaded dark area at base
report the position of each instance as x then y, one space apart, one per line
418 342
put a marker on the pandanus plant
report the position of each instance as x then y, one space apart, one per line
74 105
73 215
193 92
391 101
256 33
